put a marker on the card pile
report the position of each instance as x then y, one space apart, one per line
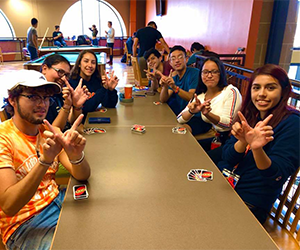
138 128
200 175
157 103
102 110
140 88
179 130
80 192
89 131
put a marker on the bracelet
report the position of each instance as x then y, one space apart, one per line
44 163
78 161
77 108
191 112
177 90
65 110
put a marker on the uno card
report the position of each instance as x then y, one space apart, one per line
231 177
99 130
102 110
138 128
195 175
157 103
80 192
207 175
88 131
179 130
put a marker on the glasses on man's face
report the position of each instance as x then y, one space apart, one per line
174 58
38 99
214 72
61 72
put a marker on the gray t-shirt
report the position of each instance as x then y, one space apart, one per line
30 32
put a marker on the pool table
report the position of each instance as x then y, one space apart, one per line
78 48
71 56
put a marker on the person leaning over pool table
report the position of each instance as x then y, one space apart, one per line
102 90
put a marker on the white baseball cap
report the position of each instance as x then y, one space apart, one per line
31 78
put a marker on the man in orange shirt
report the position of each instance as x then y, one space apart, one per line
30 200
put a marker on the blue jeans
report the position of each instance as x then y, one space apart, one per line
37 232
33 52
60 44
111 45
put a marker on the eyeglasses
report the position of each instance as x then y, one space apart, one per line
37 99
61 72
214 72
173 58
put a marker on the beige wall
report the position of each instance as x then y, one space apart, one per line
48 12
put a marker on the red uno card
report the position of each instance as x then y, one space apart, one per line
179 130
208 175
157 103
138 128
99 130
102 110
80 192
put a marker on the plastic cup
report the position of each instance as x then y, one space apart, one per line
128 91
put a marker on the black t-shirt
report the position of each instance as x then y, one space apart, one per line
55 33
148 37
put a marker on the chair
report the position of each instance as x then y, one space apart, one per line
128 56
283 222
1 56
26 54
137 73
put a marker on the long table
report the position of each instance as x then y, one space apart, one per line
140 197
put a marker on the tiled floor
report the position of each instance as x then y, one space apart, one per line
121 70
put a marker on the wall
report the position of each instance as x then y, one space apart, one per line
48 12
223 26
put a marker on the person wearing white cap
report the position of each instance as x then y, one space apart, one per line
30 200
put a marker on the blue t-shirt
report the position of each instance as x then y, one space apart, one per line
187 82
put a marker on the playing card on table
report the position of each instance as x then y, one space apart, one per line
179 130
157 103
195 175
138 128
102 110
90 131
80 192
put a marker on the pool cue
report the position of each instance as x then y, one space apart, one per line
44 38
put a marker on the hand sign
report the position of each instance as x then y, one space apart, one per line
197 106
110 82
256 137
71 141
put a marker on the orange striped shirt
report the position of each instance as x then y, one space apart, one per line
18 151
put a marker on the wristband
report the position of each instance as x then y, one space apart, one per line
191 112
78 161
177 90
44 163
65 110
77 108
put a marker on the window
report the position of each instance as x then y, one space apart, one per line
83 14
6 32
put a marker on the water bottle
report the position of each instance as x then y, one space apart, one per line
216 142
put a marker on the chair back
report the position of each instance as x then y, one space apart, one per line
3 115
285 211
128 56
139 81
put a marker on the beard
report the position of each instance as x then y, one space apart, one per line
27 116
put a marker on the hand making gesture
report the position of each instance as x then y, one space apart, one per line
110 82
80 95
197 106
256 137
71 141
167 81
151 75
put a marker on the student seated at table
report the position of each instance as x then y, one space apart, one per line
58 37
214 104
155 68
264 146
102 91
30 200
179 89
67 105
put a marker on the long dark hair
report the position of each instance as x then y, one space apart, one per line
201 88
75 72
54 60
281 110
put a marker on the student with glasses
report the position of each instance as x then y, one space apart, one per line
215 104
67 106
30 200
